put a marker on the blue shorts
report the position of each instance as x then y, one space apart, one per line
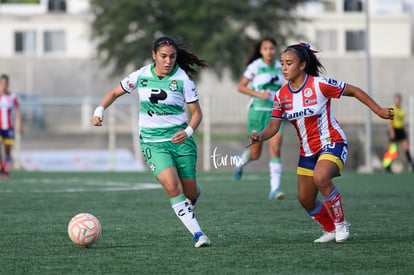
335 152
7 136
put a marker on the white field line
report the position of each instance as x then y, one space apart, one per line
113 188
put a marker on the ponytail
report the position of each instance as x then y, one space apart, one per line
306 54
185 59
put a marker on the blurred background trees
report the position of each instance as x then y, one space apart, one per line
220 31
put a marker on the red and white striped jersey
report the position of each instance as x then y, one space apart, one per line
8 102
309 109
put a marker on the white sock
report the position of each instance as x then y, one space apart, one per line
275 167
185 214
243 159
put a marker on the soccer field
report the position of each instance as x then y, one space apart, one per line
249 233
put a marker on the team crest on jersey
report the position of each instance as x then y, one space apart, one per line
308 92
173 86
309 97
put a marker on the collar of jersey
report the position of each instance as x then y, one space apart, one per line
301 87
165 77
274 62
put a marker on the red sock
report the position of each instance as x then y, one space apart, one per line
323 218
334 204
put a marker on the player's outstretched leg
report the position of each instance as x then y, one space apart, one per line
187 217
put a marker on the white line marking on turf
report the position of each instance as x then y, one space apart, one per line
140 186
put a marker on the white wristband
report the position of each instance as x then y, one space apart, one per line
99 111
189 131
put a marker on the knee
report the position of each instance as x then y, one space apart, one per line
254 155
321 180
307 202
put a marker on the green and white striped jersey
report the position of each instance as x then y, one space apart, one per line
162 101
264 77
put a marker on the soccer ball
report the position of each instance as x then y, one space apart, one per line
84 229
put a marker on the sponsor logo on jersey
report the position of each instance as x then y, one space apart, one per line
309 97
194 90
331 81
286 102
276 105
157 94
303 113
157 113
173 86
129 84
151 166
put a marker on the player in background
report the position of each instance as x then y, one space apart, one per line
261 79
396 131
306 102
164 88
8 105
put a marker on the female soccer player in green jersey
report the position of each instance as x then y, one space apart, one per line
261 79
164 88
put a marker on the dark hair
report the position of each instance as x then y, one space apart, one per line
5 76
185 59
305 54
255 50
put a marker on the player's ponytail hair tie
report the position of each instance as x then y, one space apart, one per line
306 54
307 46
303 50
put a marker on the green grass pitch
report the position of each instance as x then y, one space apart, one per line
249 233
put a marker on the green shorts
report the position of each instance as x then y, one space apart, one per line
258 120
161 155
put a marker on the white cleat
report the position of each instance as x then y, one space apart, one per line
201 240
326 237
342 231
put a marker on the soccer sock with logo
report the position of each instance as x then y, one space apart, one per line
243 159
334 204
185 214
321 215
275 167
7 164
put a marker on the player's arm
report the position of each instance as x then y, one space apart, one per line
386 113
269 131
244 89
108 99
196 117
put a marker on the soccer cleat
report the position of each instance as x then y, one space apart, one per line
342 231
237 173
326 237
201 240
192 203
276 195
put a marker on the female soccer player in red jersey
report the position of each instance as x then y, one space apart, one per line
306 102
8 105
